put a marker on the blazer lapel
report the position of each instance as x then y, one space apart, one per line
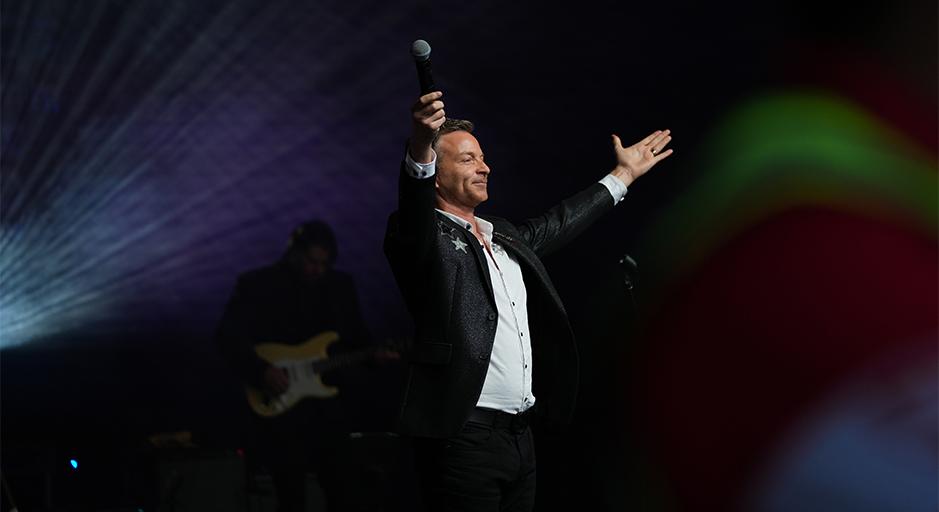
457 232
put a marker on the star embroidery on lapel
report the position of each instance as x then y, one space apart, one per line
459 244
444 229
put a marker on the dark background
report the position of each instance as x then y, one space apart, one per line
151 151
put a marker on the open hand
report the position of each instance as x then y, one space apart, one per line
635 160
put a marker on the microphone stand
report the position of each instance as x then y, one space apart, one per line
630 270
630 274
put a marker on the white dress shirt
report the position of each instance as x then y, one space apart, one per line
508 380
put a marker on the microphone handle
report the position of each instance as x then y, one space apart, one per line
425 76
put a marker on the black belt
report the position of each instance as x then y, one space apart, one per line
500 419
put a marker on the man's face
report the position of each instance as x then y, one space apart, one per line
313 263
462 175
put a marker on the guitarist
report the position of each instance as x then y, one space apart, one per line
288 302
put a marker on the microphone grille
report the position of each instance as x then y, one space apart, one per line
420 50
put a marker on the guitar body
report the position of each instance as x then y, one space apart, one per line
300 363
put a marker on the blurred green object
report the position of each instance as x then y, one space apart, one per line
787 150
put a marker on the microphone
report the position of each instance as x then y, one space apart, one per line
420 50
630 268
630 271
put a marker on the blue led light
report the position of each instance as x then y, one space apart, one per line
74 463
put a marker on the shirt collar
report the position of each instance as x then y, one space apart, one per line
485 227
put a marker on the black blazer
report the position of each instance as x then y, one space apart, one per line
448 292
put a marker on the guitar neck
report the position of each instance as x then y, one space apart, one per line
340 360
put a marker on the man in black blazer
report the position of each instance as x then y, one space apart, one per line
491 333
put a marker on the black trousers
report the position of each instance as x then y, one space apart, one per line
489 466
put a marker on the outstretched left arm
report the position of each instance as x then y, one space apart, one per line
564 222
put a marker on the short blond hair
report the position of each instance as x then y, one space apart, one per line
449 126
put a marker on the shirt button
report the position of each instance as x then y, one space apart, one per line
513 303
521 334
482 357
526 366
491 316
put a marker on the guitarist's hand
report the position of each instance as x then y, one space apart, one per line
386 355
275 379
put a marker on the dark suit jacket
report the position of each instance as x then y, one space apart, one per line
448 292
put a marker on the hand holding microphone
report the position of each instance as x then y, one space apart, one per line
427 115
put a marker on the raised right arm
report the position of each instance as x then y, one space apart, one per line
411 228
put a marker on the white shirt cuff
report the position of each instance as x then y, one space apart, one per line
419 170
616 187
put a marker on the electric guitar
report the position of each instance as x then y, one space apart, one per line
304 364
